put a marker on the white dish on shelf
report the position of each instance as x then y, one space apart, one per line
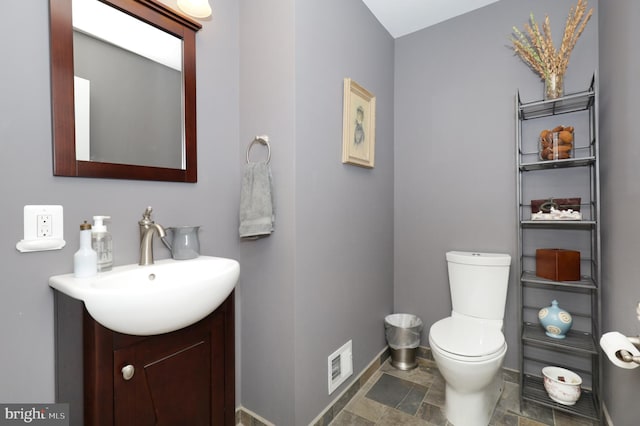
562 385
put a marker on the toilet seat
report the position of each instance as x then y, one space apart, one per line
467 339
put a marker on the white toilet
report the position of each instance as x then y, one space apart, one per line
469 347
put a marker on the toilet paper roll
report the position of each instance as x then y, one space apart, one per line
613 342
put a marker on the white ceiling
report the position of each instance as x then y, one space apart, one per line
401 17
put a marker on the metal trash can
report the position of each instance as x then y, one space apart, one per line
403 336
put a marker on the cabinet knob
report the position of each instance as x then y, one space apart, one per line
128 371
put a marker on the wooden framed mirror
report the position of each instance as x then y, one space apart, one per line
157 138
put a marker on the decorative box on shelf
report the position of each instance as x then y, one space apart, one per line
556 209
547 204
558 264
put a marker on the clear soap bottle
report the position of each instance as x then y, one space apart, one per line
85 260
102 243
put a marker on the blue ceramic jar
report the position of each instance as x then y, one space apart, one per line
555 321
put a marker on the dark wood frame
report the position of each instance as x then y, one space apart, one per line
64 151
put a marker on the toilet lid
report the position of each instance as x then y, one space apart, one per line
469 338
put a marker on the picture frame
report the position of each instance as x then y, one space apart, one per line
358 125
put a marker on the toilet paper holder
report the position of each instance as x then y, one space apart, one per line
625 355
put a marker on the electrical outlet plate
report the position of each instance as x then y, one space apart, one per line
43 228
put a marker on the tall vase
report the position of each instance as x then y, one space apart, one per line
553 86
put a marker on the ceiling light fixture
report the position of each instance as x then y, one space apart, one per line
195 8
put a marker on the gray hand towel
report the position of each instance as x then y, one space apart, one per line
257 213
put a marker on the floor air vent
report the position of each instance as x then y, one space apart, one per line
340 366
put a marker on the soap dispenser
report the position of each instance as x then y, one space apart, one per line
85 260
102 243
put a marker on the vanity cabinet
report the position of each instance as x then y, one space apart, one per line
182 377
541 179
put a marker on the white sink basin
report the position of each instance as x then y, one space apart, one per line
153 299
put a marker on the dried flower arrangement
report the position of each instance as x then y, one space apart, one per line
536 47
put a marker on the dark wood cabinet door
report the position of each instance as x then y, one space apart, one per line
186 377
170 383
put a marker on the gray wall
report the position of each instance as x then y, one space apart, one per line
325 275
454 146
267 287
620 148
344 222
26 301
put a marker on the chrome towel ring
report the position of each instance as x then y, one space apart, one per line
264 140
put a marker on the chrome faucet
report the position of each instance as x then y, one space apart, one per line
147 228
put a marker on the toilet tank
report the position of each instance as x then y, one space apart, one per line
478 283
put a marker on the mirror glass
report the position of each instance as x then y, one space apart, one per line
127 89
123 82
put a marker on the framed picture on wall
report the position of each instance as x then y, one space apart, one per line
358 125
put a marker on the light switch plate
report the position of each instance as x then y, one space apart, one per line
43 228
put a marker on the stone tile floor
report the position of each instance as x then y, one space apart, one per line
393 397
